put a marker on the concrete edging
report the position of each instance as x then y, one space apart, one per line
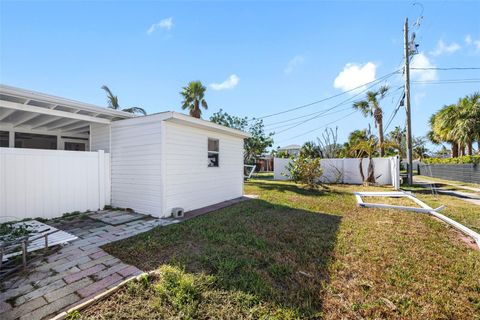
98 297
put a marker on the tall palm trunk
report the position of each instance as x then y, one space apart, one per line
380 138
196 109
470 148
455 148
378 115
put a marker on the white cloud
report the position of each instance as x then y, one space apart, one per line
165 24
228 84
469 42
468 39
354 75
477 44
443 47
293 63
421 61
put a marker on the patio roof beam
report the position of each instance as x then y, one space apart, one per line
74 126
44 122
81 129
24 119
58 113
5 113
64 123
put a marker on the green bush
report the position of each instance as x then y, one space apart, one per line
458 160
305 170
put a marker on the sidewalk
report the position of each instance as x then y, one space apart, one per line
469 197
73 274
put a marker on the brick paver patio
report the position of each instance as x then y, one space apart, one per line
74 274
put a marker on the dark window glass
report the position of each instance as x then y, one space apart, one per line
213 145
212 159
213 152
74 146
35 141
4 139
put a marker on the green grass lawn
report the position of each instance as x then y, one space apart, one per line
299 254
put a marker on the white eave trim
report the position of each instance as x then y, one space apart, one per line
203 124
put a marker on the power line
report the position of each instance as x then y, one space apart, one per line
329 98
331 108
349 100
325 114
458 79
451 81
322 112
446 69
394 113
325 125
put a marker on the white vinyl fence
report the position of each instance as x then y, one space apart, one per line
347 170
47 183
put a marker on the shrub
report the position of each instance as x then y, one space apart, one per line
306 171
457 160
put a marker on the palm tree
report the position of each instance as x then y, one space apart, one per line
396 138
354 138
193 96
371 107
310 150
113 103
467 126
364 144
442 125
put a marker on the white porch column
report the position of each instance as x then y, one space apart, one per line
11 139
101 179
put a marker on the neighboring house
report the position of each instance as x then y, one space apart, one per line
150 164
292 149
264 163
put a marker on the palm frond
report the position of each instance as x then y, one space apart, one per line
112 99
135 110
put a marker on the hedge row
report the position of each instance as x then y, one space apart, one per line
458 160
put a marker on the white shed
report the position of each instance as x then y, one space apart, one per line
59 155
168 160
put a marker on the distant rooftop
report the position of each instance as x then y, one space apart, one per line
290 147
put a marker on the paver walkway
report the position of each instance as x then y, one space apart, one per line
73 274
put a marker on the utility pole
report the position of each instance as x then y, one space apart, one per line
407 105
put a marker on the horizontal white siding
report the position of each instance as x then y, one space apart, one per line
190 183
99 137
48 183
136 165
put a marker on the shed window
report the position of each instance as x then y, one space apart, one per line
213 152
4 139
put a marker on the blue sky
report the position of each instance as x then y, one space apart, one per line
257 58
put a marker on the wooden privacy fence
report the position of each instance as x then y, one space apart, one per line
347 170
48 183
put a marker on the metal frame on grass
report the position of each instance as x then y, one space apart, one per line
424 209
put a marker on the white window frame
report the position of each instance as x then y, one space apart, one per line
215 152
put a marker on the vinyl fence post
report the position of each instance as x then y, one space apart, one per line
101 179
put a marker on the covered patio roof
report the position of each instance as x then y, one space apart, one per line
20 108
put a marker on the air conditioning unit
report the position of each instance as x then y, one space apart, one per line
177 212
